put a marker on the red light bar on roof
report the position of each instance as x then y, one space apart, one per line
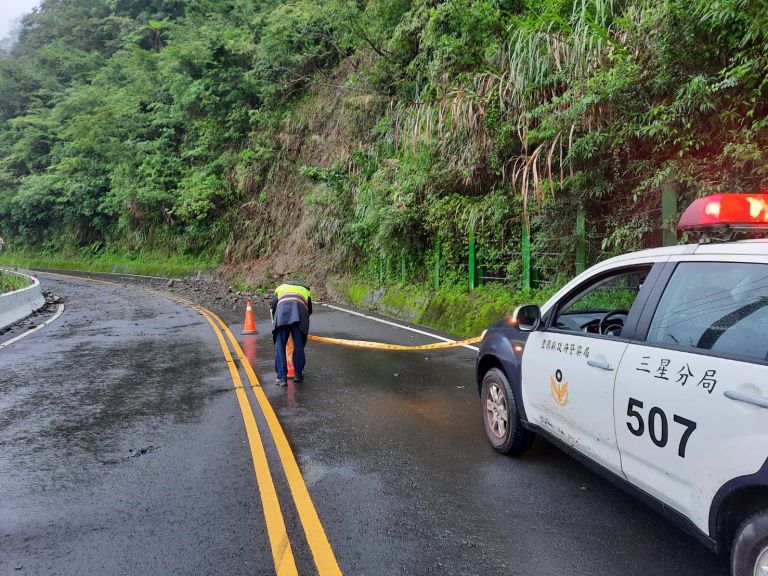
727 211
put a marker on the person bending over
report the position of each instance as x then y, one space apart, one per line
291 309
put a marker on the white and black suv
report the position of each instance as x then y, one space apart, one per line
652 367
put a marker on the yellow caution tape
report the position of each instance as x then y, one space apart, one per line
385 346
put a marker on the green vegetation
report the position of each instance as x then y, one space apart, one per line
452 310
11 282
151 264
358 136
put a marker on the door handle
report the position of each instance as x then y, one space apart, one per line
753 399
601 365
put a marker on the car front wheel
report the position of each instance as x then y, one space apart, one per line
749 553
501 418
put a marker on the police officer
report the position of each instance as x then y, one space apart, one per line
291 308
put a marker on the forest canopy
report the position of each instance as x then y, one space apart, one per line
385 128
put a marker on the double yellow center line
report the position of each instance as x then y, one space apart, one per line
282 553
278 536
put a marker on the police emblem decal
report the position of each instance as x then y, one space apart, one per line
559 388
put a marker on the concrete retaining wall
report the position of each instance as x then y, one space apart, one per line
15 306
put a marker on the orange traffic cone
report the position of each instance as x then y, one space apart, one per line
249 326
289 357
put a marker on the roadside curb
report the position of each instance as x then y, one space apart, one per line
17 305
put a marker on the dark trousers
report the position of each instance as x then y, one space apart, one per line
281 339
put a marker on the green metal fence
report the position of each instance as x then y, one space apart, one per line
533 268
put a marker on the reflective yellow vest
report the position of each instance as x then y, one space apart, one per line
285 289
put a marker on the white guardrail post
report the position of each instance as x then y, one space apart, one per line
19 304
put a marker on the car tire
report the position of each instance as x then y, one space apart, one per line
749 551
501 418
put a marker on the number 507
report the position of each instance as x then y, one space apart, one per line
658 426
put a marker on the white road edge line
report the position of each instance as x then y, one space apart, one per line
131 275
339 308
396 325
60 273
59 312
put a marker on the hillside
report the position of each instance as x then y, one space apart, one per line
377 138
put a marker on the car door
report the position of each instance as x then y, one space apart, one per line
569 367
691 398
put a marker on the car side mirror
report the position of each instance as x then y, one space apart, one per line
527 318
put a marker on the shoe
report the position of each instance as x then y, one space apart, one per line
281 382
298 378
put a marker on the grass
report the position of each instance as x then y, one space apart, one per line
453 309
146 264
11 282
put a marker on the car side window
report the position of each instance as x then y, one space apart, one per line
603 306
718 306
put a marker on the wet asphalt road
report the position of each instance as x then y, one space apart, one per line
123 451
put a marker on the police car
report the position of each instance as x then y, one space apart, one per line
652 368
